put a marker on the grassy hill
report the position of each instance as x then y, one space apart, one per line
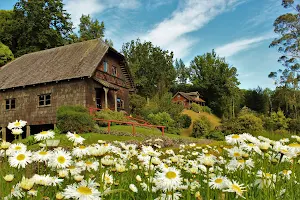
214 120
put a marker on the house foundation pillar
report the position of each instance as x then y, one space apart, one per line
27 131
105 97
3 130
116 103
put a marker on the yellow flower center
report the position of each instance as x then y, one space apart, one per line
235 136
218 180
251 145
82 147
20 157
72 167
88 163
171 175
268 175
84 190
236 154
236 188
284 171
43 153
43 132
296 145
18 148
61 159
241 161
76 135
17 124
106 144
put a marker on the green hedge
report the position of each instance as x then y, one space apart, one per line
201 127
75 119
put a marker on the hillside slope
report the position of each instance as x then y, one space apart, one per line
214 120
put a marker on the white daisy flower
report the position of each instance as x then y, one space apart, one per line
73 137
82 191
60 159
41 156
218 182
17 124
168 179
234 139
20 159
44 135
237 188
80 151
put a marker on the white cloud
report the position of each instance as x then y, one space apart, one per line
78 7
172 32
241 45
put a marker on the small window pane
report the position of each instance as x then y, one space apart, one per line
13 104
7 107
105 66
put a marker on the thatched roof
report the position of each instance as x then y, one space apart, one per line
62 63
191 96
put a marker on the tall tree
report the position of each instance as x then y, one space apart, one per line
182 72
5 54
152 68
217 82
90 28
37 25
287 26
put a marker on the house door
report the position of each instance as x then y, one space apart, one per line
98 98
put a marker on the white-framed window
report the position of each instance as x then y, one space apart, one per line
10 104
45 100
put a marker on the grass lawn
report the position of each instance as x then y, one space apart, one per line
145 131
90 138
214 120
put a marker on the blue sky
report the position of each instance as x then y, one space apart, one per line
240 30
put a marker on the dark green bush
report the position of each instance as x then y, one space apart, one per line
75 119
215 135
294 126
162 118
109 115
244 123
201 127
184 121
195 107
136 104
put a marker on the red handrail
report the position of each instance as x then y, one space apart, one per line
133 124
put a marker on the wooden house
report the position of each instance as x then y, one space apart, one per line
187 99
89 73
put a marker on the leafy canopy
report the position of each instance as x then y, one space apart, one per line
5 54
287 26
152 68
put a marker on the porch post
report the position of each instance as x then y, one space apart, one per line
4 133
27 131
106 91
116 105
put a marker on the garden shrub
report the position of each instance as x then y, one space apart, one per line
136 104
215 135
109 115
244 123
184 121
75 119
201 127
195 107
161 118
281 131
249 123
276 121
294 126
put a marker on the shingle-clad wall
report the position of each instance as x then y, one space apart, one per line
72 92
